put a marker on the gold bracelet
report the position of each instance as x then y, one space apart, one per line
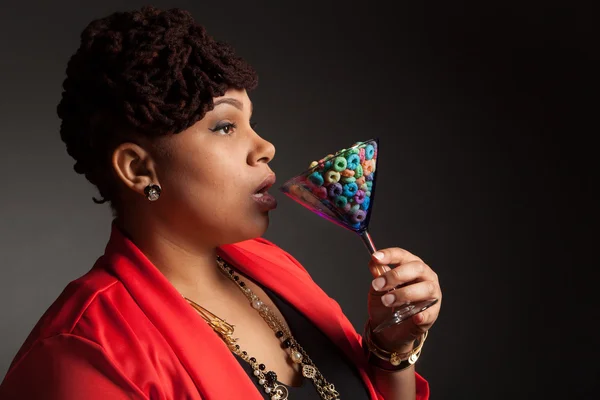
394 358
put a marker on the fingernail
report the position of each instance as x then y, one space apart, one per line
378 255
378 283
388 299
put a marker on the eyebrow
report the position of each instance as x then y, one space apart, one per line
233 102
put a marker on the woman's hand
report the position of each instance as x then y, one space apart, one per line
418 281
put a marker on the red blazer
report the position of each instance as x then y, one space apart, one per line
122 331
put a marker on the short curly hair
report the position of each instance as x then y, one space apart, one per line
147 72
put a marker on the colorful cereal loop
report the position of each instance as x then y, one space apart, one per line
313 164
296 190
354 209
339 164
347 207
335 190
347 179
316 178
358 171
364 187
347 172
341 201
353 161
332 177
359 197
365 204
320 192
350 189
367 168
361 154
360 181
359 216
369 151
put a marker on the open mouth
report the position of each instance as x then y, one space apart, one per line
262 197
261 192
264 186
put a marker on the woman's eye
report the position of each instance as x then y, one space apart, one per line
227 128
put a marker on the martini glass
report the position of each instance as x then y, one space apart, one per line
341 189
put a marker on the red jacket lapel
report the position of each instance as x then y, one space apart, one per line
202 353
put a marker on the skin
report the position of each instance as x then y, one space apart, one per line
206 202
420 283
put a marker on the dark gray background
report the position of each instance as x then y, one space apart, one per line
482 110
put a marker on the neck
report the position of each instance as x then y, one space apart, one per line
191 269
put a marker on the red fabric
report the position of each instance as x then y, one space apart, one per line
122 331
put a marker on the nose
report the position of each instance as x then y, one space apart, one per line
263 151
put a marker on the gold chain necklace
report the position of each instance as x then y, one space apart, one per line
268 380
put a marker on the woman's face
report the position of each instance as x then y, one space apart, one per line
211 172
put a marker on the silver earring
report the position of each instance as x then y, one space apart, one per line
152 192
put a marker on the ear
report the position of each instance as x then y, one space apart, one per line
134 166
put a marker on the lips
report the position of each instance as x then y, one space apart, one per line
265 186
265 201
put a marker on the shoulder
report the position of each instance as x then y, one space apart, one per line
94 309
66 312
65 348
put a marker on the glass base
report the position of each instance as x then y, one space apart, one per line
403 313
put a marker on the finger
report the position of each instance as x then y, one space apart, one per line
425 319
414 270
392 255
378 264
411 294
378 270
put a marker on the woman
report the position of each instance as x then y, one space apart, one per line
156 114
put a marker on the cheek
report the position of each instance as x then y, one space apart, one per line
211 187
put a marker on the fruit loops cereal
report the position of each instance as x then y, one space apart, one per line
345 182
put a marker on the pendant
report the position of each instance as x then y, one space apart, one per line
279 392
308 371
413 358
395 359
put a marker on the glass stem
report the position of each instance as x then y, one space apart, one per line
366 238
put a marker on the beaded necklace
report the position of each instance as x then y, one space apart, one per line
268 380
